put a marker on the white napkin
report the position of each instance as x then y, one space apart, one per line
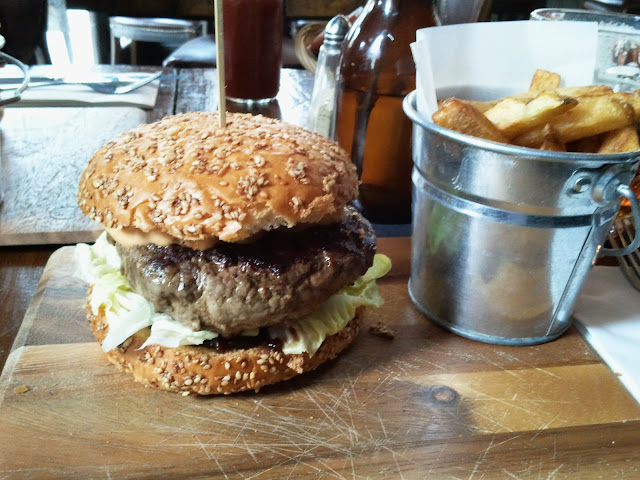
78 95
608 314
491 59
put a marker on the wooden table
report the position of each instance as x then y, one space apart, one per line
427 404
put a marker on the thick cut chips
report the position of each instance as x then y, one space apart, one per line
589 118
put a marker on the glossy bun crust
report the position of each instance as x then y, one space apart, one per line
202 370
185 177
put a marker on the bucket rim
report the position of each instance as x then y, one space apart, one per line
409 107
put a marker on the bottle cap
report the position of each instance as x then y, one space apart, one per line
336 29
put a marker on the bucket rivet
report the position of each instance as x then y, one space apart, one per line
582 184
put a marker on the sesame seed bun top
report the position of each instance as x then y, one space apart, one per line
185 177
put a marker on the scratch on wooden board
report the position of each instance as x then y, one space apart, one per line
510 474
384 430
293 438
541 428
397 454
476 466
353 434
379 384
107 471
481 458
202 446
250 451
220 468
492 421
547 372
497 365
397 464
512 358
556 470
297 461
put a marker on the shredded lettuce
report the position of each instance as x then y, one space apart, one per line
308 333
127 312
169 333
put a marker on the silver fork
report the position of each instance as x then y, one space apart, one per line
112 87
622 235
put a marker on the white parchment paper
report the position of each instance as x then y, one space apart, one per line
499 58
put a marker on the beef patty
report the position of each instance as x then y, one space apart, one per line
235 287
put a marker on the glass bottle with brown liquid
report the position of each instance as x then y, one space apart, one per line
376 72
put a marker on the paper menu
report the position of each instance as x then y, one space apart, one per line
499 58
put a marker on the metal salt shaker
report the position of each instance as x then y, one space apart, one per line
324 86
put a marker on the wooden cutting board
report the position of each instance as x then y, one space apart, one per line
43 152
427 404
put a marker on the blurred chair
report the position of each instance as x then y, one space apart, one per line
23 24
201 53
169 32
504 10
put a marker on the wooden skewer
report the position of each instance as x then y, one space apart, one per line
222 99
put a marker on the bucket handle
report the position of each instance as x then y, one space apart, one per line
626 192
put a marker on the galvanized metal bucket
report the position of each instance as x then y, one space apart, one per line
504 236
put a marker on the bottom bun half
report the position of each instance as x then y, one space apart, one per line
202 370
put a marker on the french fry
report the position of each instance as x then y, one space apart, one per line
481 105
532 138
464 118
543 80
591 116
551 141
514 117
585 91
632 98
572 92
589 119
620 140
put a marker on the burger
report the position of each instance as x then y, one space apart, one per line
231 257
